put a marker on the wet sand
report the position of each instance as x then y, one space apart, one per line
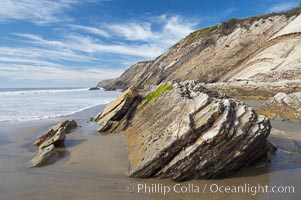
90 166
95 167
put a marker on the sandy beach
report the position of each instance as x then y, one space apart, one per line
92 166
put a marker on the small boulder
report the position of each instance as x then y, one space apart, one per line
58 132
55 137
45 156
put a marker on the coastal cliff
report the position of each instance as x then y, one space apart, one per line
262 48
180 113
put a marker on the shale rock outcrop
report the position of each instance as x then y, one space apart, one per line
56 135
48 142
116 115
184 131
283 106
249 89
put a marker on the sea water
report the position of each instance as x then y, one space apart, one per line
25 104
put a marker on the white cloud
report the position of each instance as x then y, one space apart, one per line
39 58
36 11
131 38
178 26
283 6
39 40
171 29
133 31
91 45
42 54
90 29
45 73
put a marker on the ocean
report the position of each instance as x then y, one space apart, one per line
26 104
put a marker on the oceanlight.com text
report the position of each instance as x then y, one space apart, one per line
158 188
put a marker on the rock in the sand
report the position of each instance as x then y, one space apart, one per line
45 155
184 131
111 117
56 135
283 106
57 139
53 138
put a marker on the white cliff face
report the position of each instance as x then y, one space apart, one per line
293 27
281 55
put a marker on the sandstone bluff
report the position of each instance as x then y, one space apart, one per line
263 49
183 131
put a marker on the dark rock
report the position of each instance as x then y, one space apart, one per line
94 88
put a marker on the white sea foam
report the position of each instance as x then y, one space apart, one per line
34 104
22 92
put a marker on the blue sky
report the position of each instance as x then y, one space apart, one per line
71 43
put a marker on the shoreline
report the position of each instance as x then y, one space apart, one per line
93 166
88 166
54 117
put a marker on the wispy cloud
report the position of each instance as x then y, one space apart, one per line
172 28
86 52
91 45
46 73
132 38
132 30
283 6
37 11
13 53
92 30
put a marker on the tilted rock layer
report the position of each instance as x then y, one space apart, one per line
189 132
264 48
284 106
55 137
118 110
255 89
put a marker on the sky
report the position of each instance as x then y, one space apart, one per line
77 43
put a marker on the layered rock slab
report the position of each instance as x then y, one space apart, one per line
110 118
45 155
48 142
190 132
56 135
283 106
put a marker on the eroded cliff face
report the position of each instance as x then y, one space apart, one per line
254 48
184 131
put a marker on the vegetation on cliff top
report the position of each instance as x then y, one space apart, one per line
205 32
